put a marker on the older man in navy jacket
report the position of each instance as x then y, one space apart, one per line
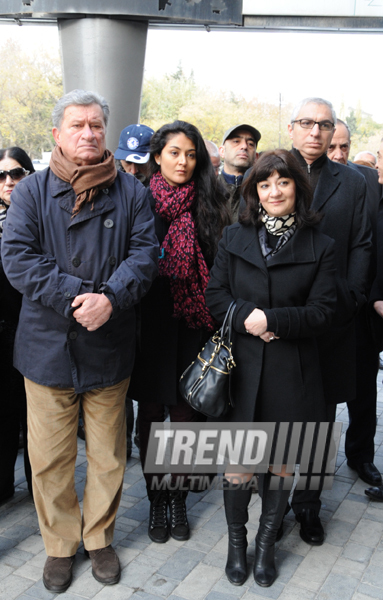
79 243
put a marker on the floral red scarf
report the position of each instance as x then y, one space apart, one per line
183 262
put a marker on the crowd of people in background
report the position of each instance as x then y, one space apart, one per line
117 268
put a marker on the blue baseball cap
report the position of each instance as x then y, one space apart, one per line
134 144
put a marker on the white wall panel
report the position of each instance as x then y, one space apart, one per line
314 8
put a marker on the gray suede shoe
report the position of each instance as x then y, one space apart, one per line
105 565
57 575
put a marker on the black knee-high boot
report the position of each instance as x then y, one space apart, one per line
287 509
236 500
274 502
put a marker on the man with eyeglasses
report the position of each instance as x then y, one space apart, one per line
376 297
379 162
339 195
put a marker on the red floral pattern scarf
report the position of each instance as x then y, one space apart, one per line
183 262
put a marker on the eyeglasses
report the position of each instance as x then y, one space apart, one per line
15 174
310 124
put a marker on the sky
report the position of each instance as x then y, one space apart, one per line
342 68
338 67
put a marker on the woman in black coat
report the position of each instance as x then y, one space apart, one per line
190 213
280 271
15 164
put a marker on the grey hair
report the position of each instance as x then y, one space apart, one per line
359 155
78 98
346 126
303 103
212 148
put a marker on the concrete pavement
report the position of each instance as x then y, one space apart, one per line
349 565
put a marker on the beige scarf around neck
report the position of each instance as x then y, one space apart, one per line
86 180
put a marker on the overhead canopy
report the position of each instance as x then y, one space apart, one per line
341 15
220 12
312 15
103 41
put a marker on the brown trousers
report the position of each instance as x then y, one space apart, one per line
52 434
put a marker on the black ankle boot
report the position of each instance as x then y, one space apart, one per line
236 502
158 521
179 526
274 503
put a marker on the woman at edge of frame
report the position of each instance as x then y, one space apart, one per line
190 212
280 271
15 164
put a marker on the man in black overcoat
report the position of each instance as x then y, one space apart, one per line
339 195
359 443
376 299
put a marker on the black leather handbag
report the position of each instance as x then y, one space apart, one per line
205 384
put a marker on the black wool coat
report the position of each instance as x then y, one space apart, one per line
279 380
340 197
166 346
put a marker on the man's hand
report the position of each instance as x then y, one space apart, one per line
94 311
378 305
256 322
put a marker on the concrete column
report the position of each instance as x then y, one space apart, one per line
106 56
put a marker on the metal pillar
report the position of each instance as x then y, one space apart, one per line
106 56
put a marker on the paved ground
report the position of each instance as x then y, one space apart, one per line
349 565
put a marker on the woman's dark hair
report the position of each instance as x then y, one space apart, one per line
20 155
286 165
210 211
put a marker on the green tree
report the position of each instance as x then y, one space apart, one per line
352 122
365 132
30 85
163 99
178 97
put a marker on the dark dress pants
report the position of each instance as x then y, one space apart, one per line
359 442
311 498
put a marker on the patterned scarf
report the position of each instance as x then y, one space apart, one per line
277 225
88 180
284 227
182 260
